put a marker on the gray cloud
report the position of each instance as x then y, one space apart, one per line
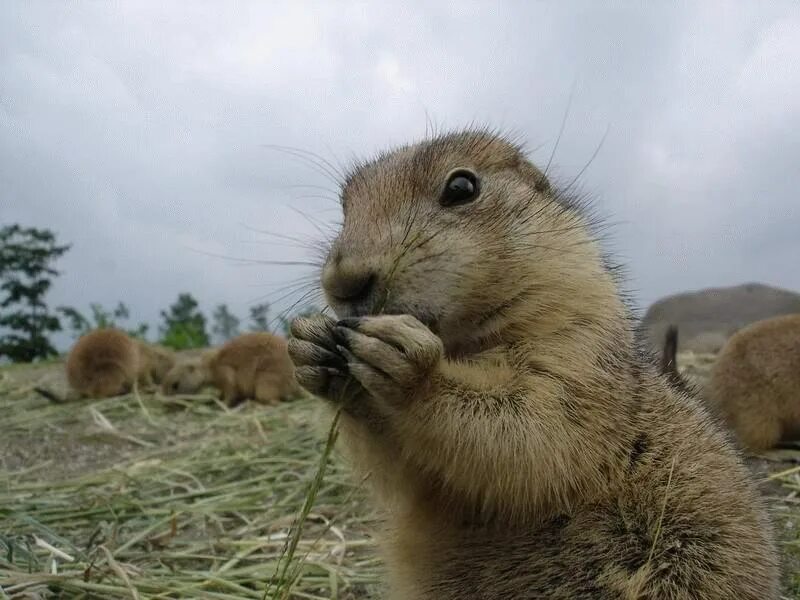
138 131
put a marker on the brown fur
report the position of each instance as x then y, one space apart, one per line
106 362
755 382
520 444
155 362
252 365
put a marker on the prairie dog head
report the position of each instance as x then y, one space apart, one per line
187 377
157 359
464 233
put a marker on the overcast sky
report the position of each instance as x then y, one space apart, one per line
139 132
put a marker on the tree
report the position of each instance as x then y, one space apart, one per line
184 325
226 324
26 273
100 317
259 317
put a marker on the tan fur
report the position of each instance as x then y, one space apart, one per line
155 362
252 365
106 362
520 444
188 375
755 382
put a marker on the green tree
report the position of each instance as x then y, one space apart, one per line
26 272
226 324
100 317
184 324
259 317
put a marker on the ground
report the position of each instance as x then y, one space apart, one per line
140 497
144 497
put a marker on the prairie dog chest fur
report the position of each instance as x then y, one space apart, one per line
488 378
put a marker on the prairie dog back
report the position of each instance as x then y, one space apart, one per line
755 382
253 365
102 363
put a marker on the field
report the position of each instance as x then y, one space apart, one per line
140 497
136 497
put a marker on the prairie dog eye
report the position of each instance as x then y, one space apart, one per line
462 186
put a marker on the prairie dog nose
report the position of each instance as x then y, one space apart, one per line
349 282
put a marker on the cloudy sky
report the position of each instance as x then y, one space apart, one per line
144 133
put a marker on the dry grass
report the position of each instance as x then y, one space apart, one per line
135 497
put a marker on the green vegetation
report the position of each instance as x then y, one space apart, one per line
100 317
259 317
184 324
226 324
26 275
26 322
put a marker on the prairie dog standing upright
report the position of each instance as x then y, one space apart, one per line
520 443
252 365
755 382
106 362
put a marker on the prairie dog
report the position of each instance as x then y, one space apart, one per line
106 362
156 361
189 375
520 443
755 382
252 365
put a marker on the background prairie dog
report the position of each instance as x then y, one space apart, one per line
155 362
520 443
106 362
252 365
755 382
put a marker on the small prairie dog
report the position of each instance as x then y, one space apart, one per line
520 443
252 365
155 362
106 362
755 382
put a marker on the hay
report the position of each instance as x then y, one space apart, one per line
137 497
140 497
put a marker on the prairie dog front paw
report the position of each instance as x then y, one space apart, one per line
390 355
319 368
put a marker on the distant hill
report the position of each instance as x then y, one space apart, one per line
706 318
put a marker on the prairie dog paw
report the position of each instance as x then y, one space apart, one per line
319 368
390 355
